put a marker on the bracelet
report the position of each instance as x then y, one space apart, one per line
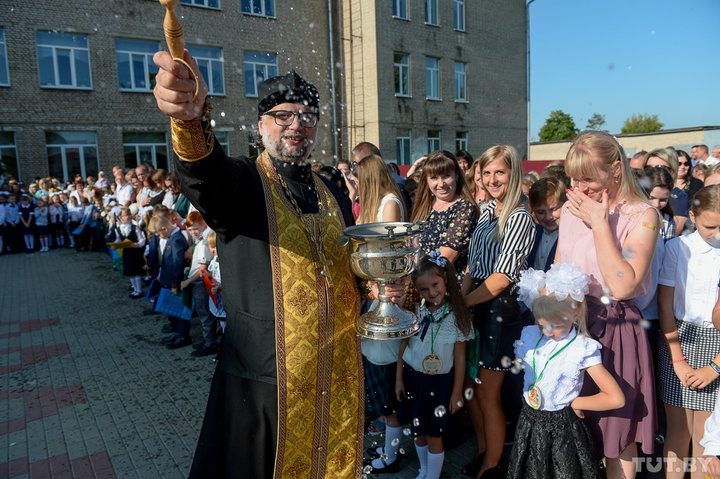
715 367
678 360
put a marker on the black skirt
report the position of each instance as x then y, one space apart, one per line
133 261
427 403
380 399
553 445
499 324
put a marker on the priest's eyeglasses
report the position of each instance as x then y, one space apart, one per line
286 118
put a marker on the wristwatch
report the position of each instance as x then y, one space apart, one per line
715 367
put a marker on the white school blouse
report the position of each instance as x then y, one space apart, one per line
563 378
711 436
692 267
446 335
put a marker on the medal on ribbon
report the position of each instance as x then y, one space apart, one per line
534 397
432 364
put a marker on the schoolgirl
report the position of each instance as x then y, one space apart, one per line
27 222
551 439
57 225
41 224
217 310
431 364
689 357
659 188
132 258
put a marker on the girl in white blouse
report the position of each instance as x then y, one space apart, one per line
431 364
556 353
689 358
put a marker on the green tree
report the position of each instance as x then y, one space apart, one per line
641 123
595 122
558 126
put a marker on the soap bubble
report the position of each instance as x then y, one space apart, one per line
469 393
440 411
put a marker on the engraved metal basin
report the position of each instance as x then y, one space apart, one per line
383 252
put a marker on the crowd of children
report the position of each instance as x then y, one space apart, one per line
146 237
414 386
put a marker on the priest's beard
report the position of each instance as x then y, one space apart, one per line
277 150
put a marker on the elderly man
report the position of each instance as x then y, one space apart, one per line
286 399
123 189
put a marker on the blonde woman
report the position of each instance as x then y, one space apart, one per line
609 230
380 197
499 249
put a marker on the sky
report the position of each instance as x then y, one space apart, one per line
618 58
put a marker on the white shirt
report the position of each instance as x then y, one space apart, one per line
384 201
692 267
562 379
446 335
123 193
380 351
201 255
546 243
711 436
2 215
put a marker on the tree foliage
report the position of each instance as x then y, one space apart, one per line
558 126
641 123
595 122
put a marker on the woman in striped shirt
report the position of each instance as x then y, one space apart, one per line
499 249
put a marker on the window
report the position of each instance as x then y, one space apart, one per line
224 140
4 72
401 66
431 12
460 82
72 152
136 70
202 3
63 60
145 148
263 8
432 78
461 140
210 61
402 143
459 15
8 156
433 140
400 9
258 68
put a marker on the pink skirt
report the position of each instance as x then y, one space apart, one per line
626 355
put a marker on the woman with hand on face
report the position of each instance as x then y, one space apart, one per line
499 249
609 230
444 202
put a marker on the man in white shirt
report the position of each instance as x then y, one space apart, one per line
711 443
716 153
703 155
123 189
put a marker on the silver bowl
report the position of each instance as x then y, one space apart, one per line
384 252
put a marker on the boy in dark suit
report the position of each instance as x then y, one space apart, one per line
547 195
171 260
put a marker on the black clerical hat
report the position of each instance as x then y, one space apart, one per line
290 88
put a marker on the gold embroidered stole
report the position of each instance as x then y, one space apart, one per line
319 366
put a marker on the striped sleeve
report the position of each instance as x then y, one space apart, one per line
517 242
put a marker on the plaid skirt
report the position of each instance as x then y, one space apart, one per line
700 346
380 399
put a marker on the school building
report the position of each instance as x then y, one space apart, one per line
411 76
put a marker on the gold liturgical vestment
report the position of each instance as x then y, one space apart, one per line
319 366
